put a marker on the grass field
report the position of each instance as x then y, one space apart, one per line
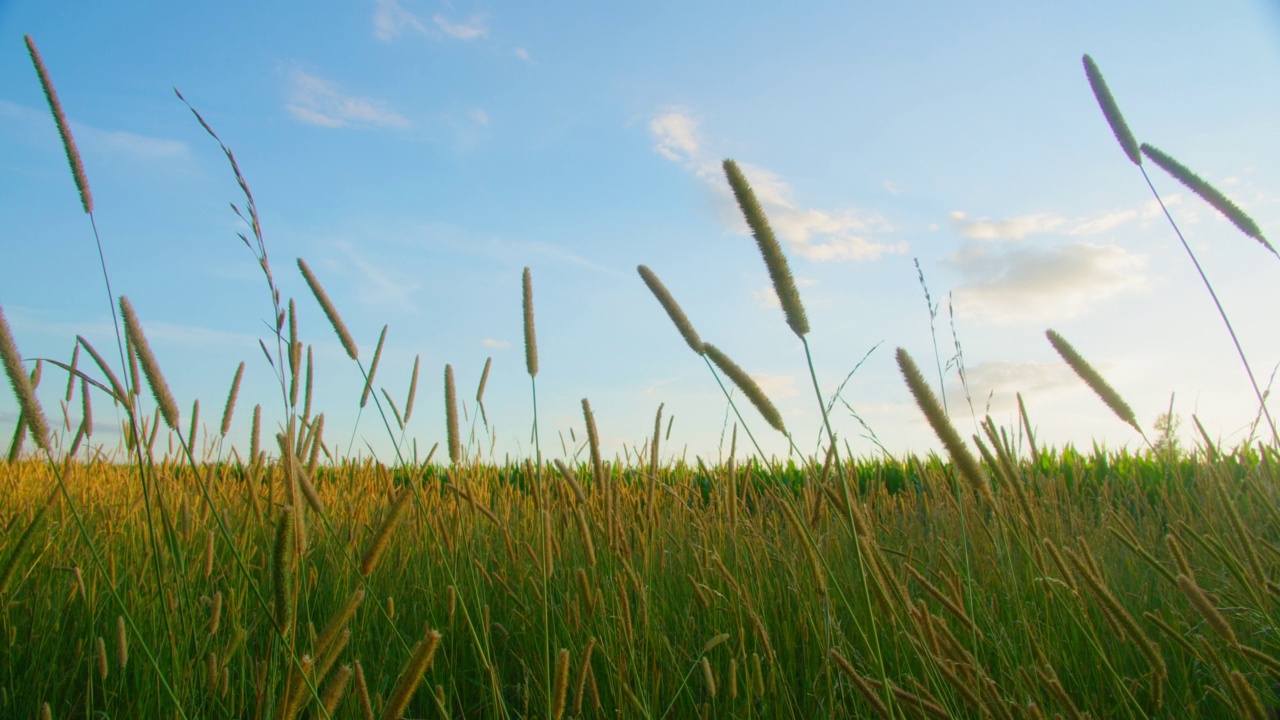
1021 581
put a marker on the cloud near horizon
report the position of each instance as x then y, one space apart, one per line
816 234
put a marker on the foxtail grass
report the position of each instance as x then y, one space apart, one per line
32 414
1201 188
779 271
413 390
64 128
411 675
1208 193
1111 111
1093 379
669 304
331 312
451 416
150 368
373 367
378 544
230 407
747 385
282 561
942 427
530 337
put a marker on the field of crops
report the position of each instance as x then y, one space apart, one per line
1119 586
1008 579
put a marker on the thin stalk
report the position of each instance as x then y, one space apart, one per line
1262 403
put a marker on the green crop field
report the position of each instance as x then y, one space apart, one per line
1007 579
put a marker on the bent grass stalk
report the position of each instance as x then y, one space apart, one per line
1210 194
1094 380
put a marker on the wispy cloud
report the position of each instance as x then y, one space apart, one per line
1020 227
495 344
93 140
378 285
1006 282
139 147
523 54
816 234
470 29
391 19
316 101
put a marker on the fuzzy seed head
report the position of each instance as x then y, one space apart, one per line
330 311
672 307
64 128
1111 111
779 271
530 339
150 368
1092 379
21 383
747 385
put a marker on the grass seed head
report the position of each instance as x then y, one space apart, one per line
451 416
942 427
672 307
32 414
530 339
1093 379
779 271
150 368
747 385
1111 111
330 311
1209 193
64 128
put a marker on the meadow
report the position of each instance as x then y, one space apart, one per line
1007 579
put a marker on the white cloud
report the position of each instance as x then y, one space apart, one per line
469 30
1045 223
317 101
390 19
1014 228
777 387
1022 282
816 234
1102 223
480 117
523 54
495 344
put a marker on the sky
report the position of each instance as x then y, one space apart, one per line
420 154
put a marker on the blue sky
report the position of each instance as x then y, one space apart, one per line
420 154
